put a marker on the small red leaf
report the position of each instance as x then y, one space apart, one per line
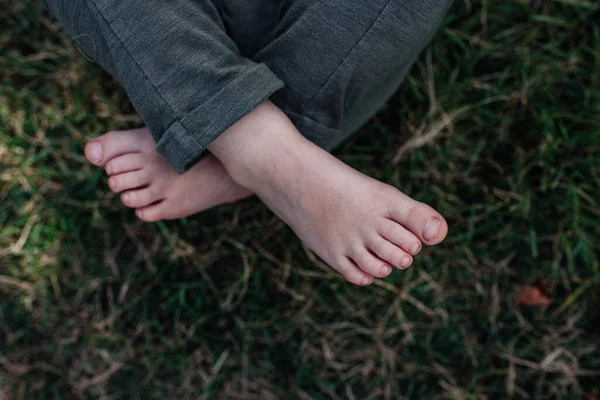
533 296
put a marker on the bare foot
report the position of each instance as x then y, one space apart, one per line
356 224
151 186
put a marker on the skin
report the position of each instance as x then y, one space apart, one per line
151 186
359 226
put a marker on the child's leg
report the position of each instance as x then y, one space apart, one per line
356 224
186 78
182 72
341 60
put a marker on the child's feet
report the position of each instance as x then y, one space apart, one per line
357 225
151 186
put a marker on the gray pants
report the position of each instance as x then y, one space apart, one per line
192 68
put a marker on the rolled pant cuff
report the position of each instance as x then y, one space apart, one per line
186 139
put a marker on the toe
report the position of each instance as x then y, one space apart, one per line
128 180
371 264
400 236
390 253
152 213
140 198
126 163
422 220
352 273
116 143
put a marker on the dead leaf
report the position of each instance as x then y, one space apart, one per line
589 396
533 295
5 393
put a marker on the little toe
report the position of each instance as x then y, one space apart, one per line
102 149
400 236
419 218
152 213
128 180
352 273
371 264
140 198
390 253
125 163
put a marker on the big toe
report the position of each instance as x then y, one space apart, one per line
419 218
104 148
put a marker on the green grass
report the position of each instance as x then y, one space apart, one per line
497 127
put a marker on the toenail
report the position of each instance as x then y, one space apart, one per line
415 248
95 151
405 261
365 281
432 229
385 270
126 197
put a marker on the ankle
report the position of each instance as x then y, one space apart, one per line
256 148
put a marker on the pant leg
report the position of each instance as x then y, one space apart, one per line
181 70
341 60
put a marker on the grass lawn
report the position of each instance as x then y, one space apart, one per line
497 127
